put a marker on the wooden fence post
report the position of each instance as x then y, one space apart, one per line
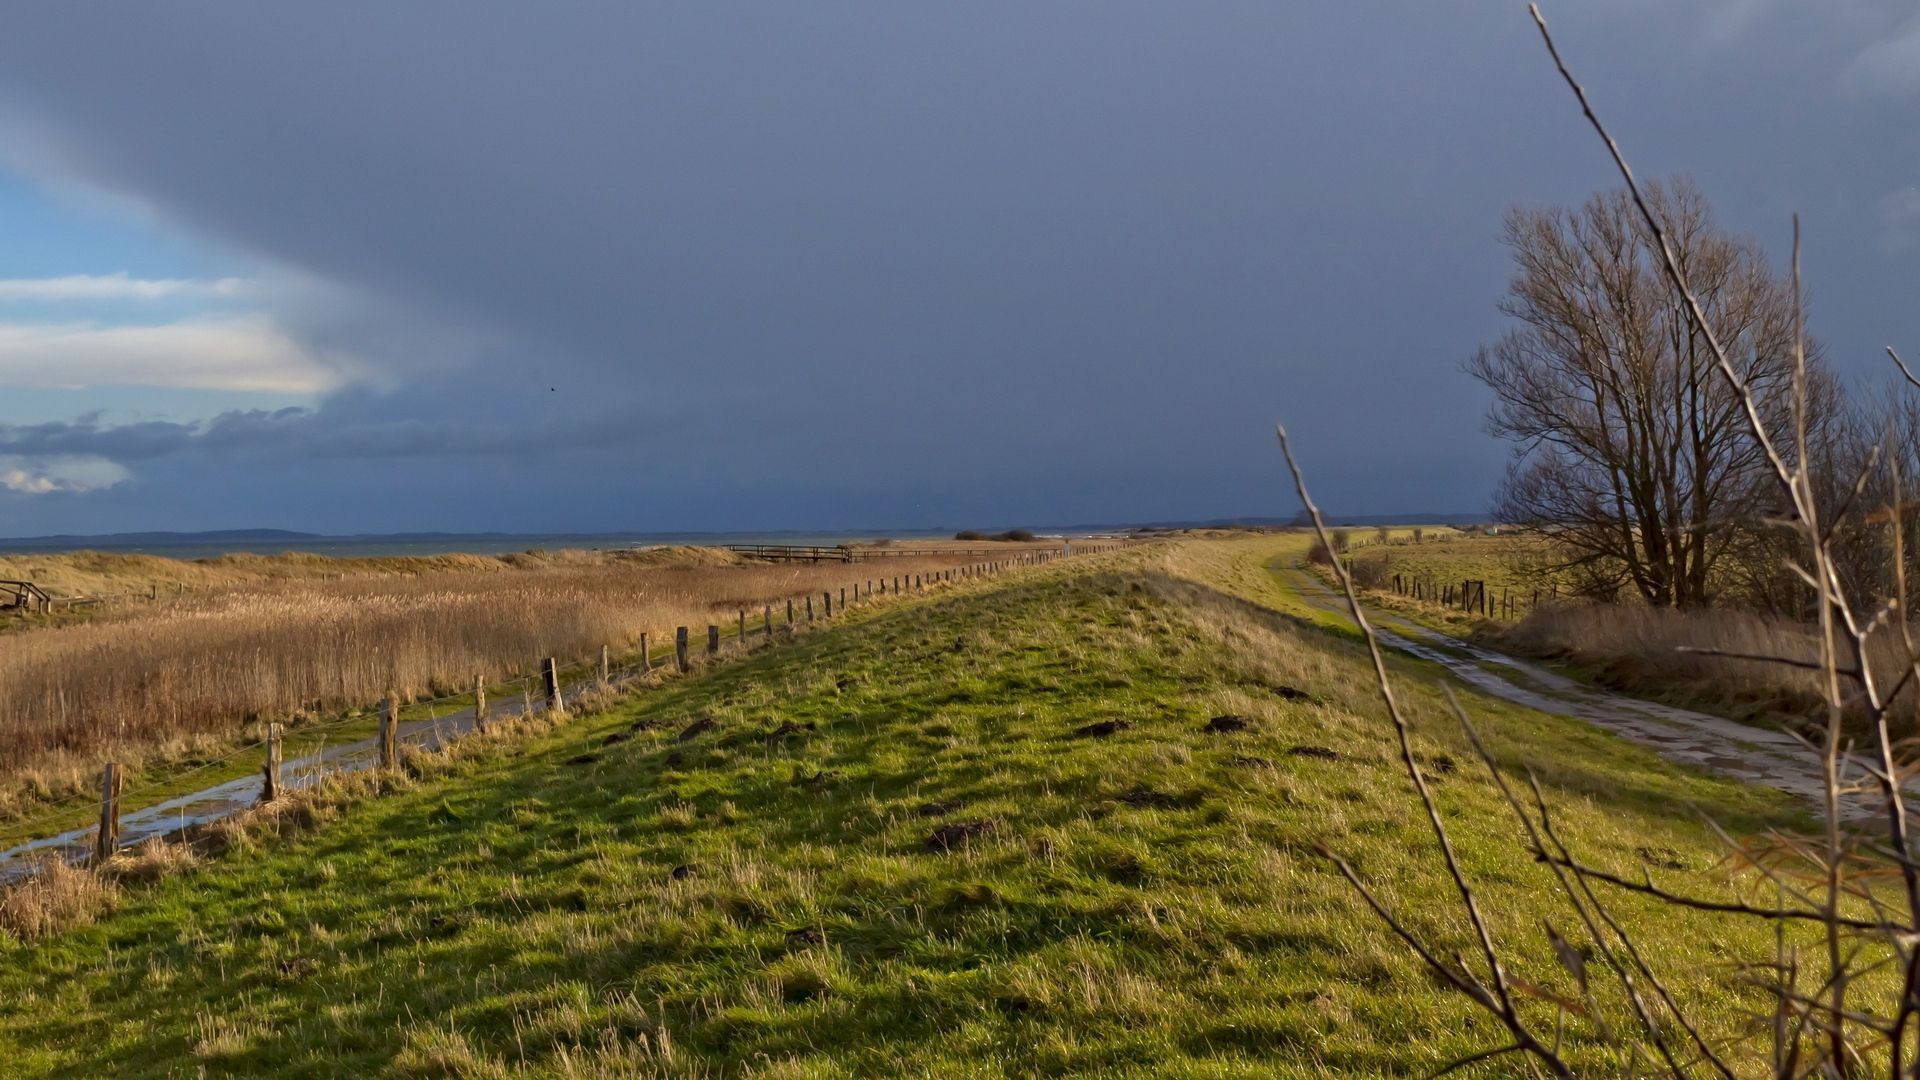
843 598
479 703
680 649
809 607
109 835
766 613
743 628
390 731
713 639
270 782
606 667
789 611
646 661
826 602
550 675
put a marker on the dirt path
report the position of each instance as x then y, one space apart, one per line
1754 754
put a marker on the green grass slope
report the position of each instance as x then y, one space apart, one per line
892 853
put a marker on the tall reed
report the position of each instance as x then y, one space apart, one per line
212 662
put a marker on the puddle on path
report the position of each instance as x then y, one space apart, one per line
233 796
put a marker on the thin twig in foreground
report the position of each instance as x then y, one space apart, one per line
1501 998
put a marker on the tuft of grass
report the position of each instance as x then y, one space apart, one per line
58 898
1145 903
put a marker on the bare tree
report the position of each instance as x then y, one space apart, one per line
1631 451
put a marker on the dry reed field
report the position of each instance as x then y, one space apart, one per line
147 681
1645 650
92 573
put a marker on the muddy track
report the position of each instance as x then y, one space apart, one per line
1754 754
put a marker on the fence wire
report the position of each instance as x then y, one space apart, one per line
573 677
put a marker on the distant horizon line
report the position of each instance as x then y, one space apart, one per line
268 535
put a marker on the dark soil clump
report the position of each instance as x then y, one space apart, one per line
958 835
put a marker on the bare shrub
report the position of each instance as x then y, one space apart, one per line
1371 570
1323 548
1015 536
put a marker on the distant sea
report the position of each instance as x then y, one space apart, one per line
206 545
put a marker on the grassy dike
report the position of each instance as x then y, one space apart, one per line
891 851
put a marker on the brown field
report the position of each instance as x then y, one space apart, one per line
95 573
297 637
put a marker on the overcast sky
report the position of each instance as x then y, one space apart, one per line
544 267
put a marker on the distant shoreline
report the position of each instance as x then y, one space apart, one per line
188 546
214 543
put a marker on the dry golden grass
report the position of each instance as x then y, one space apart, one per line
1637 648
93 573
147 681
61 896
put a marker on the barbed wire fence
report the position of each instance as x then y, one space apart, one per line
416 725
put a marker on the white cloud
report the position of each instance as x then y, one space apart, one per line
118 286
248 354
1889 67
74 475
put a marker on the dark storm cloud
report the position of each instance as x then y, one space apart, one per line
834 263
